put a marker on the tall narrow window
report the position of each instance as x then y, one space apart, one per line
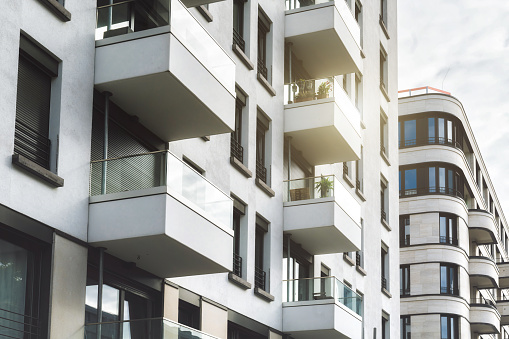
383 12
264 24
404 280
448 229
405 328
239 210
262 228
386 329
384 266
410 133
238 24
411 182
36 71
359 182
449 328
262 126
449 279
358 17
384 201
404 229
236 148
384 140
383 70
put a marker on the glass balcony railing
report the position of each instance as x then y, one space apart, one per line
157 328
312 89
156 169
294 4
310 289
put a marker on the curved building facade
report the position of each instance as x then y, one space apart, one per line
453 232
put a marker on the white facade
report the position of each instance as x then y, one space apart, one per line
303 192
453 232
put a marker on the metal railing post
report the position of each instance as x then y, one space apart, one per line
107 96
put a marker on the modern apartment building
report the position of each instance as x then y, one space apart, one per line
198 169
453 232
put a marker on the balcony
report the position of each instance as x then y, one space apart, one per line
322 215
321 308
162 66
142 328
322 120
503 310
483 272
150 207
503 278
481 227
325 36
484 317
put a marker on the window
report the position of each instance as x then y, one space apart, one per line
383 12
347 169
448 229
383 70
359 164
236 331
384 140
236 148
384 265
449 279
24 280
386 329
262 227
449 328
239 210
384 201
404 280
431 178
404 327
358 17
238 24
404 230
359 255
264 24
262 126
358 93
189 314
345 83
36 121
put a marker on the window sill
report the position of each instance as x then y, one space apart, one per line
263 295
386 292
265 188
37 170
235 279
56 8
386 224
383 89
384 28
348 180
348 259
243 57
266 85
385 157
240 167
206 138
361 270
360 194
205 12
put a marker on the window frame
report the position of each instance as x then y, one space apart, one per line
450 320
451 279
404 277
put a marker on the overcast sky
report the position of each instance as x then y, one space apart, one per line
470 38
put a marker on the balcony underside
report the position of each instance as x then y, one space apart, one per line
326 41
483 273
194 3
160 233
481 227
484 319
157 79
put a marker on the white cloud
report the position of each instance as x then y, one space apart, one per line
470 39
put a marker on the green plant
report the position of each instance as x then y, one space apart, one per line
324 88
324 185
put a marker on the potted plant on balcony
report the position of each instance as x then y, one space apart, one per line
324 185
324 90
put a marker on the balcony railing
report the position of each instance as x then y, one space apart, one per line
236 149
345 168
322 288
262 68
293 4
404 291
383 215
311 188
384 282
130 16
429 141
162 168
260 278
312 89
430 190
261 171
405 241
16 325
237 265
358 259
482 301
143 328
237 39
448 240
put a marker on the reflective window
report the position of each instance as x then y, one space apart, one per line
410 133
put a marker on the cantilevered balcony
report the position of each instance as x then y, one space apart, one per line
160 328
321 308
484 317
481 226
162 66
322 121
150 208
321 215
503 309
324 35
483 272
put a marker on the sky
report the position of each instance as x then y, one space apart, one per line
462 47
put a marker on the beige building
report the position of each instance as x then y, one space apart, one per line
453 232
